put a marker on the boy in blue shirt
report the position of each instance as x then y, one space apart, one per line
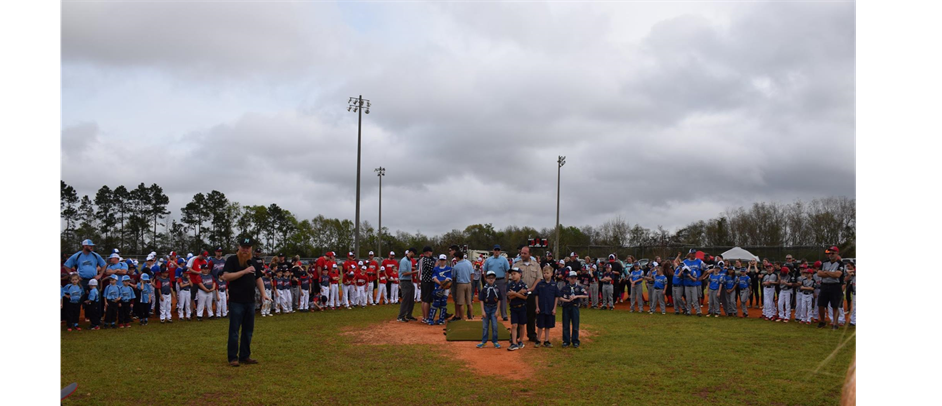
547 298
72 294
715 279
127 302
729 283
571 294
490 297
112 298
147 297
92 304
659 283
440 274
745 285
634 278
517 293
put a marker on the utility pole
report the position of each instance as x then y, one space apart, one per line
380 172
560 161
357 105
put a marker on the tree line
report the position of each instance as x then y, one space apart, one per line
138 221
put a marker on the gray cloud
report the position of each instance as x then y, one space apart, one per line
689 111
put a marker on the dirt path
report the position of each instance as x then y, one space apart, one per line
516 365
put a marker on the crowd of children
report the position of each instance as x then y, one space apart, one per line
193 284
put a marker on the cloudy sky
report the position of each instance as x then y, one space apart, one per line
667 113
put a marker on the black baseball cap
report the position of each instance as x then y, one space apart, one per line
427 249
244 242
218 249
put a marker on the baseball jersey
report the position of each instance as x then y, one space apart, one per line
371 269
147 292
348 277
607 274
325 280
832 267
360 278
221 285
127 293
207 281
305 282
164 285
660 281
112 292
769 278
86 264
334 275
636 275
806 282
729 280
74 292
93 295
266 282
715 281
743 281
217 265
390 265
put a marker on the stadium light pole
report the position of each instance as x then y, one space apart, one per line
358 104
380 172
560 162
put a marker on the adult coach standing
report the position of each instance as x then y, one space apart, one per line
87 263
425 265
530 274
830 273
244 276
407 298
499 266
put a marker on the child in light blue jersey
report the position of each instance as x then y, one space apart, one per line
147 297
127 302
112 297
92 304
72 299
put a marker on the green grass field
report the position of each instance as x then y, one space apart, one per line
632 359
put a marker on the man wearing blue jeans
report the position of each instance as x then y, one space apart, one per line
244 276
489 296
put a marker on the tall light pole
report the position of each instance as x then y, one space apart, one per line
380 172
561 161
358 104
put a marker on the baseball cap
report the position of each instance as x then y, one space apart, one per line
806 269
93 282
205 253
133 261
151 256
572 254
115 251
88 242
443 257
180 261
817 264
382 268
371 253
172 254
125 278
335 265
114 255
115 277
363 267
832 250
145 277
514 269
246 242
491 273
349 254
218 249
611 257
496 247
427 249
573 274
692 251
392 253
360 263
562 262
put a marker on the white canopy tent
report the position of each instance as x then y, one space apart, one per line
740 254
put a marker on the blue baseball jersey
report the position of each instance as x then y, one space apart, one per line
677 281
305 282
127 293
743 281
696 269
165 288
660 281
325 281
441 274
86 264
636 275
715 281
147 292
207 281
221 285
93 295
74 292
112 292
266 282
729 280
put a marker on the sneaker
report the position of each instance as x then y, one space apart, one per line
821 325
162 321
248 361
121 326
520 345
547 344
410 318
497 345
481 345
650 312
575 345
663 312
69 329
513 347
565 345
233 363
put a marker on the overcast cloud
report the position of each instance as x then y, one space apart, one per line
667 113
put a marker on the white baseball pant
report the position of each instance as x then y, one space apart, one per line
785 304
165 307
333 299
381 293
394 292
204 300
184 303
348 296
222 306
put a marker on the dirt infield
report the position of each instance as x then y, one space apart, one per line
517 365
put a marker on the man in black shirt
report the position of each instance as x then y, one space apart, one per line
244 276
